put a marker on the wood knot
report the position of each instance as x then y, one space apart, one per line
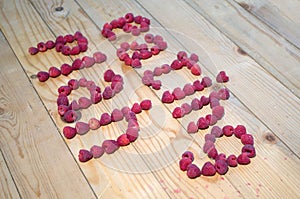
1 111
33 76
245 6
241 51
58 9
270 138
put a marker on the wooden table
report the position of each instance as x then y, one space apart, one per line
255 41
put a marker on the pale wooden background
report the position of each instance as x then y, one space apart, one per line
256 41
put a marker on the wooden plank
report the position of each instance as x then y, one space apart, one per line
39 160
8 187
249 33
281 16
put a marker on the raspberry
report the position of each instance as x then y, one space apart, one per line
212 153
223 94
96 97
66 69
239 131
157 38
208 145
62 109
127 61
82 82
130 116
136 108
146 104
99 57
213 102
181 55
88 61
193 171
77 64
208 169
144 27
213 95
73 84
108 93
136 63
189 155
243 159
178 93
97 151
54 72
94 123
221 166
43 76
60 39
228 130
135 31
162 45
121 22
249 150
136 55
105 119
132 123
209 137
117 78
69 38
196 104
176 65
147 80
188 89
158 71
146 20
125 110
211 119
194 57
177 112
186 108
66 50
58 47
232 161
110 146
83 47
62 100
66 90
216 131
77 34
247 139
167 97
74 105
156 84
108 75
220 156
123 140
84 155
116 115
196 70
42 47
82 41
198 86
84 102
222 77
33 50
82 128
184 163
192 127
204 100
206 82
129 17
125 45
75 50
202 123
69 132
155 50
132 134
218 111
165 68
149 38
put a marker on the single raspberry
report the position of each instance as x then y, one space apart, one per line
208 169
110 146
144 27
43 76
77 64
77 34
196 104
178 93
136 108
208 145
198 86
117 78
216 131
132 123
127 28
136 55
62 100
149 38
105 119
66 69
42 47
69 132
176 65
228 130
211 119
62 109
82 41
82 128
60 39
75 50
221 166
145 54
213 94
70 116
188 89
66 90
147 80
206 82
218 111
202 123
181 55
94 123
88 61
96 96
184 163
84 102
177 112
50 44
108 75
99 57
136 63
213 102
135 31
167 97
146 20
210 137
243 159
250 150
221 156
162 45
84 155
204 100
83 47
247 139
108 93
157 38
129 17
97 151
146 104
73 84
155 50
59 46
125 110
192 128
158 71
212 153
222 77
130 116
194 57
156 84
74 105
188 154
116 115
82 82
132 134
121 22
193 171
33 50
239 130
165 68
66 50
186 108
196 70
224 94
123 140
232 161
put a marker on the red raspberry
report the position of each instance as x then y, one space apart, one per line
146 104
108 75
77 64
243 159
209 137
156 84
186 108
211 119
228 130
66 69
198 86
84 155
75 50
94 123
132 134
167 97
181 55
130 116
193 171
178 93
123 140
105 119
82 41
58 47
88 61
132 123
69 38
135 31
117 78
213 102
84 102
146 54
77 34
99 57
129 17
96 97
62 109
54 72
70 116
50 44
250 150
208 145
66 90
60 39
117 87
82 82
149 38
157 38
116 115
177 112
62 100
82 128
158 71
147 80
162 45
155 50
66 50
212 153
188 89
176 65
189 155
42 47
110 146
127 61
208 169
206 82
192 127
108 93
165 68
184 163
218 111
125 110
74 105
222 77
239 131
194 57
196 70
136 63
33 50
204 100
247 139
97 151
125 45
83 47
69 132
223 94
221 166
121 22
196 104
216 131
220 156
232 161
73 83
202 123
144 27
213 95
146 20
136 108
43 76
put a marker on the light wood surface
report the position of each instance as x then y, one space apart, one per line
260 54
